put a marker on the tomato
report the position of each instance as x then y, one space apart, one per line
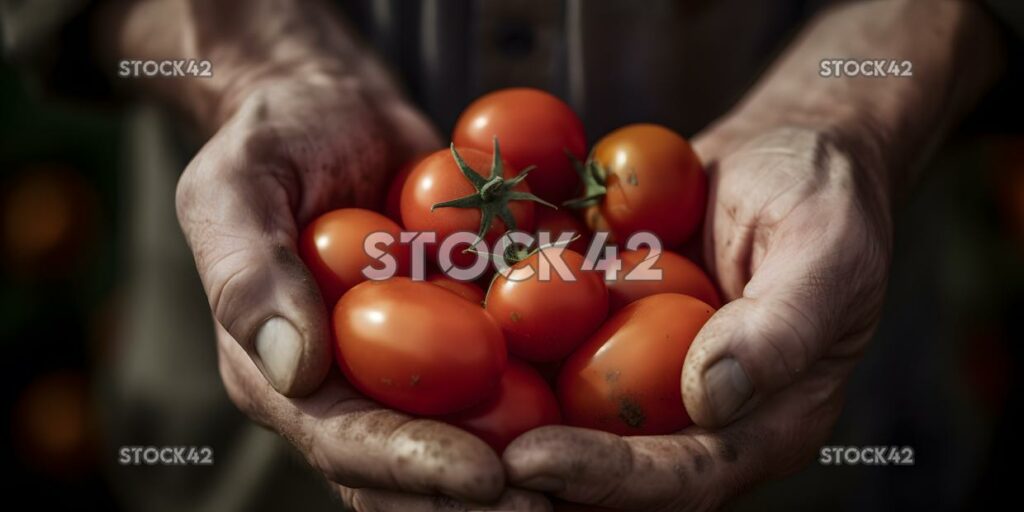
522 402
535 128
626 378
645 177
678 275
545 319
466 290
332 247
436 179
417 347
557 222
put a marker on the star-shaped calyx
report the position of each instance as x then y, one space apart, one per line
493 193
593 176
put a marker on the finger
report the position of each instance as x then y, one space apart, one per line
815 291
377 500
354 442
695 470
639 473
727 238
238 221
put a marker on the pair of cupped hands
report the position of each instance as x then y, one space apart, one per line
797 235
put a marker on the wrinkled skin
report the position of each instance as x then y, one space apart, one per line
797 234
799 239
291 152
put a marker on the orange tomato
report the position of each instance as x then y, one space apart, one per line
332 247
534 128
545 319
626 378
522 402
417 347
654 182
678 275
436 179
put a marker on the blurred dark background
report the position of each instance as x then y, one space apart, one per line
947 354
58 296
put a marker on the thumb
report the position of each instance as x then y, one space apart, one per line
242 235
747 350
792 312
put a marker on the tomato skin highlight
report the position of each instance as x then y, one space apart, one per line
561 221
626 379
544 321
678 275
655 183
534 128
332 248
464 289
523 401
437 178
417 347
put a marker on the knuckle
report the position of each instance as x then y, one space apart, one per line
238 276
789 332
232 281
197 179
185 191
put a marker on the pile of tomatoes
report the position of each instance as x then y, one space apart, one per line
590 329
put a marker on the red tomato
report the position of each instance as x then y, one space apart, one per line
466 290
523 402
535 128
626 378
557 222
436 179
332 247
653 181
417 347
678 275
544 320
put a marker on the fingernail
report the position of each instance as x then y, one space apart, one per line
544 484
279 346
727 387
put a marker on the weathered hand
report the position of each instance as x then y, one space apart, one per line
380 460
798 237
292 150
